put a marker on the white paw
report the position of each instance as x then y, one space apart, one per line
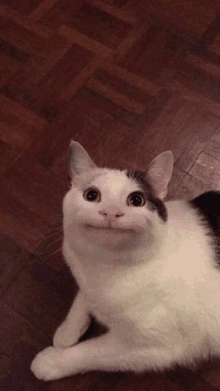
63 338
47 365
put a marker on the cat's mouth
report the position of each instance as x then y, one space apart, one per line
109 228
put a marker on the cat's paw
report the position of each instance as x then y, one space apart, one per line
47 365
64 338
67 336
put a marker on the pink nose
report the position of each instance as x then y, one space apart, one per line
111 213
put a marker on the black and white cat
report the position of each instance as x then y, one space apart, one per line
146 269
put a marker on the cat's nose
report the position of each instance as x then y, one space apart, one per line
111 213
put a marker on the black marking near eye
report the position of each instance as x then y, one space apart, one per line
154 203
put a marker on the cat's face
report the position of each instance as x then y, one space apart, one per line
109 207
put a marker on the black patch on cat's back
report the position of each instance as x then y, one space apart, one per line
154 202
208 207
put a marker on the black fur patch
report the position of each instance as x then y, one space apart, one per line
154 202
208 208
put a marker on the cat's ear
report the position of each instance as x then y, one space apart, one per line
160 172
79 160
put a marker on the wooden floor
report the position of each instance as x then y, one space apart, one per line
128 79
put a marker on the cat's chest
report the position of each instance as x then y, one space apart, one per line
116 293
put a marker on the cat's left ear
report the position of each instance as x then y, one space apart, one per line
160 172
79 160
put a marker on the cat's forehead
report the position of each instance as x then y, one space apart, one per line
116 181
112 180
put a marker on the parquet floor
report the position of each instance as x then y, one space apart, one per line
128 79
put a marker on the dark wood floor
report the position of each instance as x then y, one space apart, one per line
128 79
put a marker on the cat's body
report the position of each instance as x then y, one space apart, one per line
148 270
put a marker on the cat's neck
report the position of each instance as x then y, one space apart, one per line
104 263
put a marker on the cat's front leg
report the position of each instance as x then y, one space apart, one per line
53 363
102 353
75 324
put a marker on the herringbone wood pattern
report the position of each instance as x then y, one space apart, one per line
128 79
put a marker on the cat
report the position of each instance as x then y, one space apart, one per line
146 269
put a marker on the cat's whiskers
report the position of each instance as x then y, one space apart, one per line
53 220
50 224
46 257
55 241
45 254
55 236
55 231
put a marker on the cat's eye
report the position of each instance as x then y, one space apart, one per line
92 195
136 199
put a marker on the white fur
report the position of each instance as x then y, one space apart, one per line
155 287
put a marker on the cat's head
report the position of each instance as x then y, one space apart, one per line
113 207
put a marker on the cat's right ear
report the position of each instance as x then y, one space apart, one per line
79 161
160 172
